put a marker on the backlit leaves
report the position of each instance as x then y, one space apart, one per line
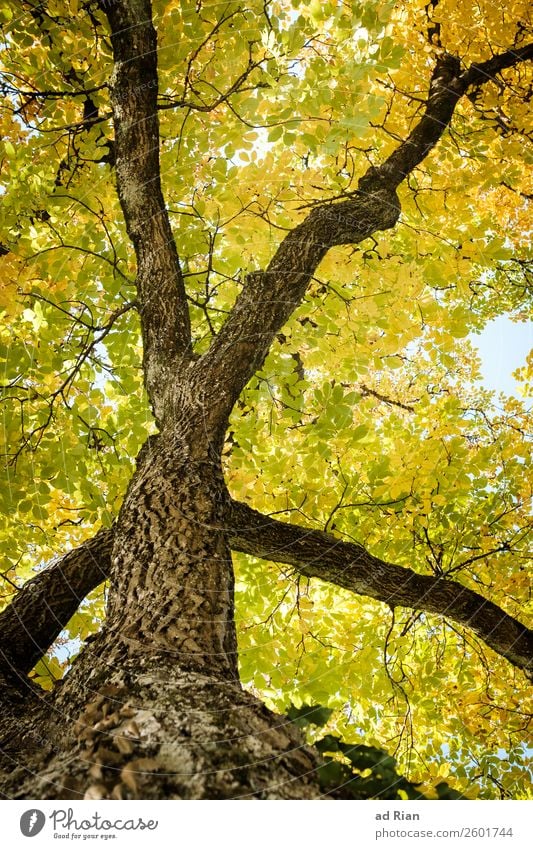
368 418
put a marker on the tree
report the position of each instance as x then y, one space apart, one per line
243 249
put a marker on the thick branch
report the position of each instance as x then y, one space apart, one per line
445 91
269 297
483 72
319 555
161 292
447 87
43 607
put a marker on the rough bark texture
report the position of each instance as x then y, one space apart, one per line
319 555
153 707
151 730
312 553
161 293
42 609
172 581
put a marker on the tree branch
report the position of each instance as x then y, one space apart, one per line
43 607
269 297
161 292
319 555
447 87
482 72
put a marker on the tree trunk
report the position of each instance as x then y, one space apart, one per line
153 707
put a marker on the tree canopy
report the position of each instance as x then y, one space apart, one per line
311 208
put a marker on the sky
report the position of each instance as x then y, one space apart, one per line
503 346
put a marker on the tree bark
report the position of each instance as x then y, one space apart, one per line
161 296
153 707
319 555
33 622
41 610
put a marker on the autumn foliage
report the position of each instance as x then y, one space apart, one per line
368 419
